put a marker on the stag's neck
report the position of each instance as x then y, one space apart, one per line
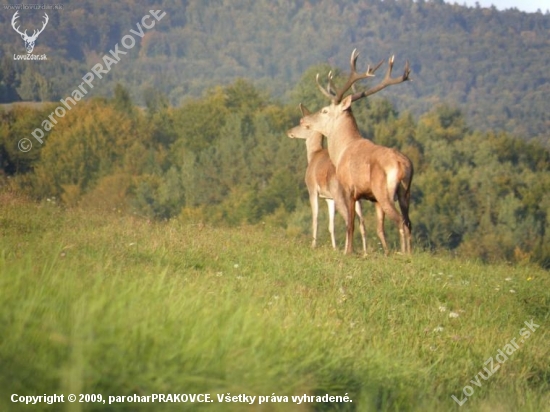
314 144
344 133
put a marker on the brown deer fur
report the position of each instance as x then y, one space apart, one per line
364 169
321 182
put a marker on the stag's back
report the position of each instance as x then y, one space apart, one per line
366 168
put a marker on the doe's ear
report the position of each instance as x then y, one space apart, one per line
304 110
345 104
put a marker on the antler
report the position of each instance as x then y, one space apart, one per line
15 17
388 80
327 91
353 77
37 32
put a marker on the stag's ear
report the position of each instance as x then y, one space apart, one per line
346 102
304 110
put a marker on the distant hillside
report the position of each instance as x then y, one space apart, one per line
492 64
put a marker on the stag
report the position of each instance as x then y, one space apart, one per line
364 169
321 182
29 40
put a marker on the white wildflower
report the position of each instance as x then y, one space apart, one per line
453 315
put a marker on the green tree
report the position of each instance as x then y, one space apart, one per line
83 147
121 100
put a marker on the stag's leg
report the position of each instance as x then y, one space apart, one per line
350 225
380 226
340 203
314 202
331 209
344 213
389 209
359 212
385 189
403 196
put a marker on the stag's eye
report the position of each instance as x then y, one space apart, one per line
324 111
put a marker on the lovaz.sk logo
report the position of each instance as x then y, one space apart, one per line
29 40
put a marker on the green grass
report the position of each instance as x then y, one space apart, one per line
115 305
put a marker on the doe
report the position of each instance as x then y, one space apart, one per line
321 182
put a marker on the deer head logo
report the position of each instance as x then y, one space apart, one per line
29 40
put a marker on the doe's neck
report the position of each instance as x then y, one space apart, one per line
314 144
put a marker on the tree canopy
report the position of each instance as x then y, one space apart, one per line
490 64
224 158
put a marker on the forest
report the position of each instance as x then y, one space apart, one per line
191 123
490 64
224 159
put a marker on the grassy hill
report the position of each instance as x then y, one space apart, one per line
117 305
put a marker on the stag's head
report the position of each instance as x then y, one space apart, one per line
29 40
326 119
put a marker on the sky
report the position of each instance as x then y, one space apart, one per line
529 6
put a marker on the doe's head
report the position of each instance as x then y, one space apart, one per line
301 131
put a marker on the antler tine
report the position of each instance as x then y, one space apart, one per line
407 72
377 66
387 81
329 82
38 31
46 20
15 17
353 76
371 71
330 86
323 90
